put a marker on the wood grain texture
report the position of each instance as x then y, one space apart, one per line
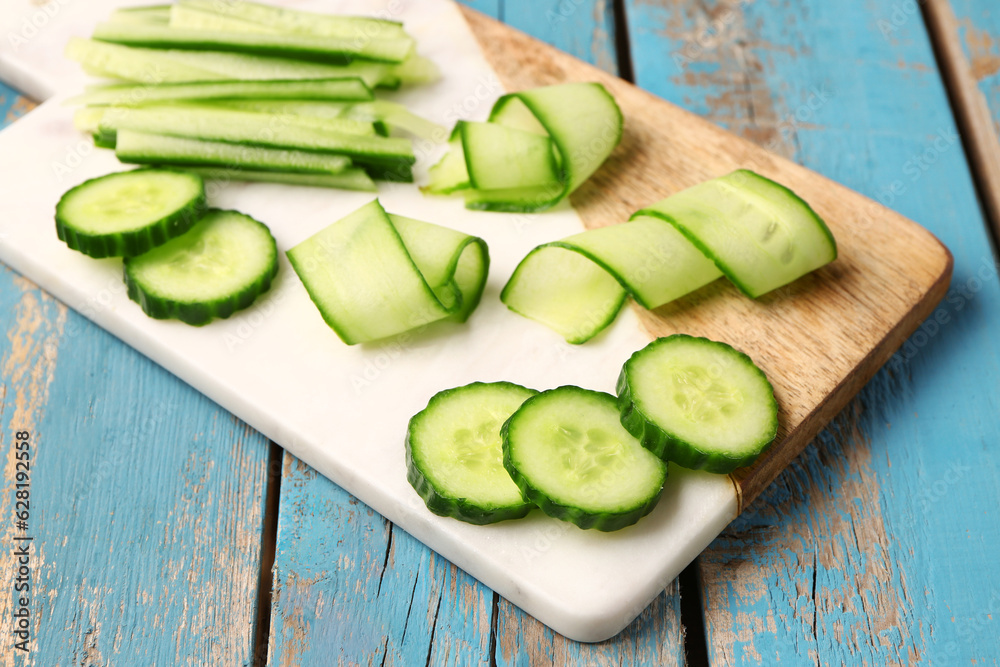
146 498
967 35
351 585
871 547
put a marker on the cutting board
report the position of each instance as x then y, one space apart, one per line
344 409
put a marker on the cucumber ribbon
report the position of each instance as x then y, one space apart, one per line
757 233
373 274
538 146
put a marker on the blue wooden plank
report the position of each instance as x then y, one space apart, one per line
583 28
352 588
871 547
979 33
146 499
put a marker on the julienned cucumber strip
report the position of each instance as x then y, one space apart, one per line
569 454
697 402
218 267
373 275
388 158
391 114
212 123
582 121
327 49
342 89
454 455
295 21
152 14
757 233
157 66
348 179
129 213
144 148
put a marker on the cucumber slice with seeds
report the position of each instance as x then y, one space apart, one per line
128 213
219 267
697 402
569 454
454 457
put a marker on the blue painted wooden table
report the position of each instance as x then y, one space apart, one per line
165 531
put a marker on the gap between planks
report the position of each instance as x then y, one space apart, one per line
268 549
972 114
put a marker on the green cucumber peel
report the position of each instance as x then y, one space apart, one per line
373 275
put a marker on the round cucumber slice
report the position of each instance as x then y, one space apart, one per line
219 267
128 213
569 454
454 458
699 403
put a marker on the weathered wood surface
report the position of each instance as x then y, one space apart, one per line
146 498
877 546
966 34
349 584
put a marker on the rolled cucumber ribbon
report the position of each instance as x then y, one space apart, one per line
538 146
373 275
757 233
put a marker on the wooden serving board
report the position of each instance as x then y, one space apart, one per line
344 410
820 339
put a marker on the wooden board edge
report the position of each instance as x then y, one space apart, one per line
751 481
971 108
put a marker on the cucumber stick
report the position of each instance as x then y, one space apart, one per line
157 66
341 89
569 454
290 45
538 146
218 267
373 275
755 232
697 402
390 114
454 455
351 178
389 158
295 21
129 213
143 148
